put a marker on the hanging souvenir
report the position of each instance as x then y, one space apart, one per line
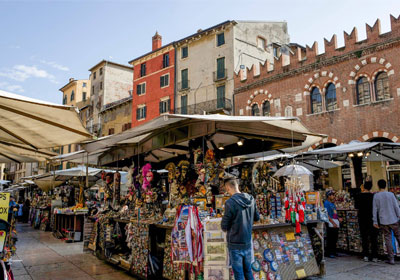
256 266
256 245
265 266
186 237
274 266
147 176
268 256
116 190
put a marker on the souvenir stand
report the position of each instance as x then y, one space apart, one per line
167 226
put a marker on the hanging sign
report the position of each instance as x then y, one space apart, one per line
4 205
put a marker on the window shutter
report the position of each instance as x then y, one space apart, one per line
144 112
144 88
137 113
160 107
169 105
161 81
137 89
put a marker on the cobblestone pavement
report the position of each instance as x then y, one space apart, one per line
41 256
354 268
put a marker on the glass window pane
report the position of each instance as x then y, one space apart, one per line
266 108
363 91
382 86
316 101
254 110
330 97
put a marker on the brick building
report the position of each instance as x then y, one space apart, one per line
153 82
349 93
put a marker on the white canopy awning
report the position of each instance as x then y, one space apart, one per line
81 157
136 134
370 151
32 125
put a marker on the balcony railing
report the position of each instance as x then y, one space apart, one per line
207 106
219 75
184 85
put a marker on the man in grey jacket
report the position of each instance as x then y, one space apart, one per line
386 215
240 213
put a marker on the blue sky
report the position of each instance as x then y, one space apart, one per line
44 43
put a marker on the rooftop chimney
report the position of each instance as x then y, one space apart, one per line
157 41
71 79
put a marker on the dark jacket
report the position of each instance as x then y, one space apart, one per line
240 213
364 204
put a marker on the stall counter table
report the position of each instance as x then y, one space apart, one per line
71 222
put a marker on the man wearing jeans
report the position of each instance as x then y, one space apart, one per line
386 209
240 213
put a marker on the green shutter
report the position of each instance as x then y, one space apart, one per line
169 105
221 68
137 113
160 107
144 112
138 89
184 75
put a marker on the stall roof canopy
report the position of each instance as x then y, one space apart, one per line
36 125
372 151
137 134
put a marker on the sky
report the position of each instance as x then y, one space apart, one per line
44 43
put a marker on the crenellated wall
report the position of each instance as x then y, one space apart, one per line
285 86
352 47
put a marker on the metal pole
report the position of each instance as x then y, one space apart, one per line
87 170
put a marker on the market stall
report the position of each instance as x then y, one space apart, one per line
176 166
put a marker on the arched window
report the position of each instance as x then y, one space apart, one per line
72 95
382 86
254 110
266 109
330 97
363 91
289 111
316 101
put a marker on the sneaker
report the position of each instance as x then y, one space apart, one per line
375 260
366 259
390 262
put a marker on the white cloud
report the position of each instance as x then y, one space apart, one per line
12 88
22 72
55 65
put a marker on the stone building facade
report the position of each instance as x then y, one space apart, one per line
153 82
349 93
208 59
110 82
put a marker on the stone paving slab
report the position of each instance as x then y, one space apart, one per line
40 256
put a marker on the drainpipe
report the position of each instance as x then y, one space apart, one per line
175 79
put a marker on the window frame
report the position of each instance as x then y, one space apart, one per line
260 38
84 84
264 107
182 52
84 95
164 77
184 97
327 92
383 80
72 97
222 71
142 86
187 78
141 112
358 84
221 100
143 69
253 112
165 62
218 44
313 111
94 75
101 71
167 108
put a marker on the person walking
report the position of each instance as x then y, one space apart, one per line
386 215
333 225
240 213
25 211
369 234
